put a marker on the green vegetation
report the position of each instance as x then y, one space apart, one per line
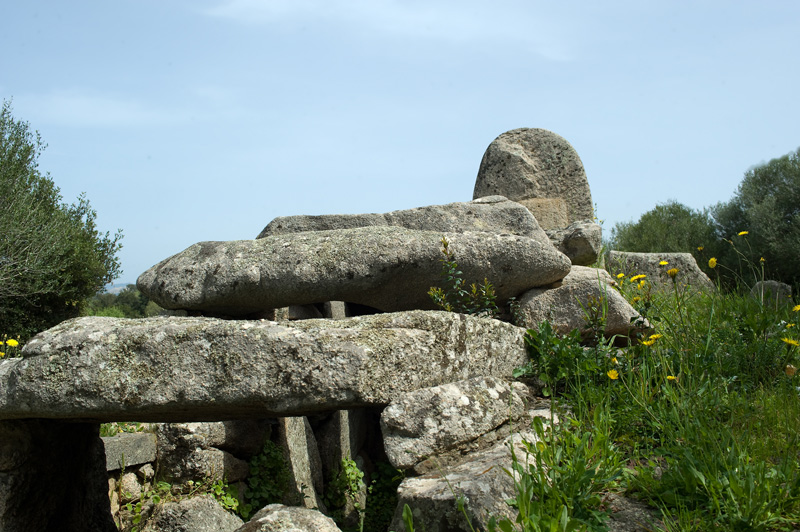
346 486
704 413
382 497
52 257
765 207
268 480
477 299
139 510
127 303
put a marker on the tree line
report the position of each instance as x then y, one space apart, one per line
754 235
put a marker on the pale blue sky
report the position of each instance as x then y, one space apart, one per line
186 121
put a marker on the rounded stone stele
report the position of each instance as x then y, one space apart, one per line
529 166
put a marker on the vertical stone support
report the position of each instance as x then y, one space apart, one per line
302 456
53 477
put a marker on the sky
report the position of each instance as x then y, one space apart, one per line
191 120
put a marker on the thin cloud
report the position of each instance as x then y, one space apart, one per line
93 109
456 23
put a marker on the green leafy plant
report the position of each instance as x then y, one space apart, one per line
268 479
382 496
345 487
457 295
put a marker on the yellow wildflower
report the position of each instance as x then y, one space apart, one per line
614 360
648 342
672 272
796 308
663 263
642 284
637 277
670 377
2 354
712 263
762 260
620 275
791 341
656 336
613 374
700 248
636 299
742 233
788 325
790 370
12 342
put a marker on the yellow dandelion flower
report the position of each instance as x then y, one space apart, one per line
742 233
12 342
670 377
791 341
614 360
672 272
613 374
712 263
620 275
656 336
796 308
762 260
636 299
2 354
789 325
641 284
663 263
648 342
637 277
790 370
700 248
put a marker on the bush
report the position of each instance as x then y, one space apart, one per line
767 206
671 227
52 257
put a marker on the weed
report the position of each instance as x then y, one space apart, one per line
457 296
268 479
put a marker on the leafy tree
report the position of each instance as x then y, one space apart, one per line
52 257
128 303
671 227
767 206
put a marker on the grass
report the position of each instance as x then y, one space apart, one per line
703 414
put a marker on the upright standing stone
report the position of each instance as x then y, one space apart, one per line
540 170
302 456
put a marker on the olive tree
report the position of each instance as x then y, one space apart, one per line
52 256
670 227
767 206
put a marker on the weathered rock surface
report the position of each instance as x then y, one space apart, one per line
388 268
302 458
188 451
53 477
480 479
129 449
689 273
427 421
492 214
772 293
582 242
280 518
190 369
196 514
542 171
580 295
